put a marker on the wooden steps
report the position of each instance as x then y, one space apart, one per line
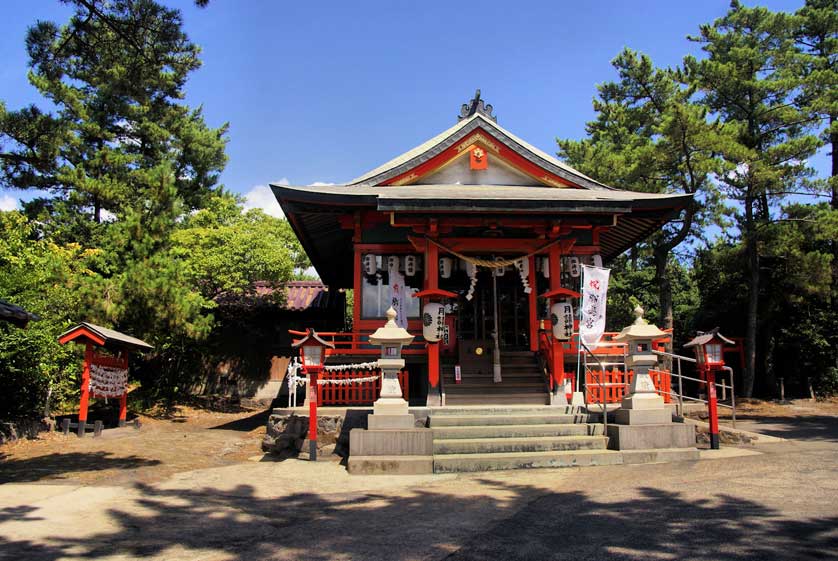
522 383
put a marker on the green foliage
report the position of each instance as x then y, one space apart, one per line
46 279
136 233
222 250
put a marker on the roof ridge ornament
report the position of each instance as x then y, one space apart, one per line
476 105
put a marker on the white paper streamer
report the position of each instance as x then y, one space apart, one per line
107 381
346 381
359 366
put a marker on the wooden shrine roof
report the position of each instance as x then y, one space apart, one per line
460 131
96 334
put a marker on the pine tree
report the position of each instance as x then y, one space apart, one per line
743 81
116 74
650 136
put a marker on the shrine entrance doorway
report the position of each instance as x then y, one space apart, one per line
476 319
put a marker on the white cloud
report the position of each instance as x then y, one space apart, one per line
320 184
8 202
262 197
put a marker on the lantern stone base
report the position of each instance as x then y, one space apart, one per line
390 422
646 437
391 451
643 416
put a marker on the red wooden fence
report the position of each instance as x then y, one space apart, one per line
357 393
616 383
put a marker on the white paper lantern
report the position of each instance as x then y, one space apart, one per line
545 267
433 322
410 265
445 266
393 263
369 264
573 267
597 259
561 316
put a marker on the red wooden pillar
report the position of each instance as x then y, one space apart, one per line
533 305
123 399
85 387
556 284
313 390
713 406
432 283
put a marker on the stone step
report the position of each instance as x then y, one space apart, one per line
390 465
494 420
522 444
516 431
502 387
453 463
495 410
478 398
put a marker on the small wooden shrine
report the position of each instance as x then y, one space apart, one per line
476 238
105 374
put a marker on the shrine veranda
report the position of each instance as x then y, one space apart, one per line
422 232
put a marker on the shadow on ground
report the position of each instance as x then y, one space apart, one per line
246 424
802 427
526 524
54 466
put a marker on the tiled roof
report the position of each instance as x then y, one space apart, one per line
300 295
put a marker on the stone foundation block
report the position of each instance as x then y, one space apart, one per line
390 465
402 442
644 437
643 416
385 422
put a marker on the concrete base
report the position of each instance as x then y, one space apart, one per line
643 416
647 401
390 422
405 442
644 437
390 465
578 399
660 455
392 451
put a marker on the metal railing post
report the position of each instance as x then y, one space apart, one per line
680 390
601 386
732 397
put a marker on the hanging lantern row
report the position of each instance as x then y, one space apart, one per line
374 264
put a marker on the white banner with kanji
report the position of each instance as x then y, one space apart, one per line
398 296
594 293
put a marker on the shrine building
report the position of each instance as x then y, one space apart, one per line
482 235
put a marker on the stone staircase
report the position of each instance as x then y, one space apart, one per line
522 383
487 437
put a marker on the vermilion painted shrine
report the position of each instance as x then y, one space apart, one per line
415 231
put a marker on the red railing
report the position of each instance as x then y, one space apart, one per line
615 383
356 393
357 343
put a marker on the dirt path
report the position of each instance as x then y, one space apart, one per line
188 440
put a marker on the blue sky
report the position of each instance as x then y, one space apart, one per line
323 91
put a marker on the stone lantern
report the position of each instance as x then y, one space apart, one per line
643 423
390 410
642 395
391 443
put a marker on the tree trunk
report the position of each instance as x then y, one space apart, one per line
97 210
752 253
